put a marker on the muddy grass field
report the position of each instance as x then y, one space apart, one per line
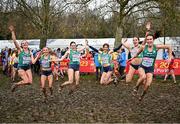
90 103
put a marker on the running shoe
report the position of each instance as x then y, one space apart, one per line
135 92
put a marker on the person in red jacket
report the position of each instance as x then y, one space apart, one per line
170 70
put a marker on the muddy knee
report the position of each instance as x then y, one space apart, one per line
128 80
25 81
102 81
30 81
143 77
70 81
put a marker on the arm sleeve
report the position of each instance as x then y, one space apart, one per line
124 56
116 49
94 49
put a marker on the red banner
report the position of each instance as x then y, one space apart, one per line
161 67
64 64
85 65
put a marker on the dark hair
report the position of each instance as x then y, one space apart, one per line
154 34
140 42
9 52
123 50
150 34
136 37
58 49
72 43
173 54
66 48
105 45
157 34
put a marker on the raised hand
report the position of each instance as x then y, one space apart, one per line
86 42
125 40
11 28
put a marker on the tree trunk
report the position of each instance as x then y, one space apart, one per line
45 23
43 41
119 34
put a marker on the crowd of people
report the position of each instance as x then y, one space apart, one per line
110 64
9 60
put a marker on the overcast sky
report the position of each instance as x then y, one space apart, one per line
96 3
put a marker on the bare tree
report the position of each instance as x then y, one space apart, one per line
123 9
43 13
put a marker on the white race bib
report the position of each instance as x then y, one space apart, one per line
76 58
26 60
147 62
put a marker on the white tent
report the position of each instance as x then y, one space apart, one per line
63 43
33 43
97 43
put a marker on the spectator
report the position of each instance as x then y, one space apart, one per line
98 66
165 55
58 53
122 62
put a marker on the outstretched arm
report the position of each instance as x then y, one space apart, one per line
125 45
35 59
144 41
148 29
166 47
62 58
11 28
116 49
94 49
139 51
83 47
86 53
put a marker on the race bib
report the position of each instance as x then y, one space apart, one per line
76 58
134 52
147 62
45 64
105 60
26 60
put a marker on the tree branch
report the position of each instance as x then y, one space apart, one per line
135 5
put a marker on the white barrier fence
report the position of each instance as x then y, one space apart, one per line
97 43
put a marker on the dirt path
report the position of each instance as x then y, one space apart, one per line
90 103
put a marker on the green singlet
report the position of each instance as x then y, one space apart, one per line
45 63
24 59
149 57
74 57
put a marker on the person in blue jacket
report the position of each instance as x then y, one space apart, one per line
165 55
122 61
98 66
